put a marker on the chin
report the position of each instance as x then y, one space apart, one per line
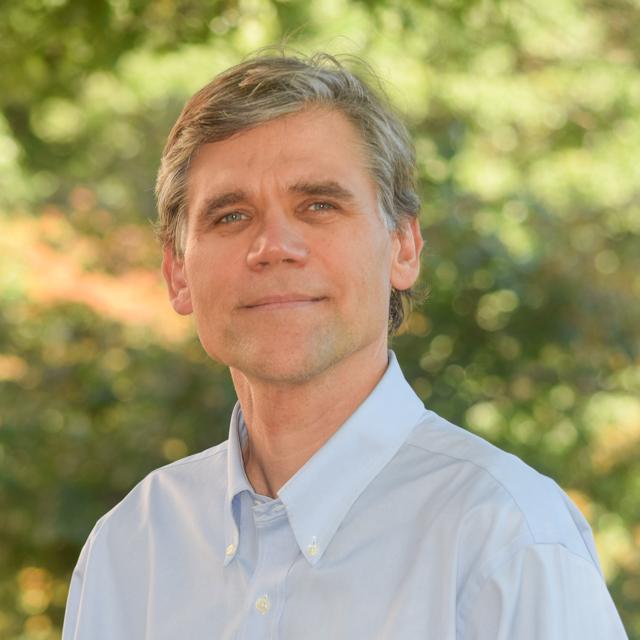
291 365
286 373
288 359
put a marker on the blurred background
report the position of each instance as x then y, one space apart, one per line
526 116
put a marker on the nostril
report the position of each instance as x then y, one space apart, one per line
278 249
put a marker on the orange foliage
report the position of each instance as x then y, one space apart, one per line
51 257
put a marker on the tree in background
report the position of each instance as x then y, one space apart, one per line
526 117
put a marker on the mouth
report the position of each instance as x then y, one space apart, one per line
283 302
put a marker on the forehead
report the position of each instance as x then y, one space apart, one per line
315 143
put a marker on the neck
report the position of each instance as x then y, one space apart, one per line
287 424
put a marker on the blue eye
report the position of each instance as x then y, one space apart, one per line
234 216
321 206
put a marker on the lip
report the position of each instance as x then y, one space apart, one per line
283 301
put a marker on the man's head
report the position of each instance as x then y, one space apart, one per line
267 88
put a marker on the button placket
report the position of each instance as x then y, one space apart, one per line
277 551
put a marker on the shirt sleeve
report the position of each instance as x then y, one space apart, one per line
78 601
72 609
542 592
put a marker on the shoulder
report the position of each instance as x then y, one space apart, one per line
495 486
519 545
175 487
541 591
175 508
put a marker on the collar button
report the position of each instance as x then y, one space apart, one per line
313 547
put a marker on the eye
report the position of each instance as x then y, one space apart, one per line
234 216
321 206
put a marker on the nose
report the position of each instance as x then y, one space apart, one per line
278 240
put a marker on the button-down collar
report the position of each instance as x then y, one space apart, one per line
318 497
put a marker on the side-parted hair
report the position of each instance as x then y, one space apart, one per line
266 87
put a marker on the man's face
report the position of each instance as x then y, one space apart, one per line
288 265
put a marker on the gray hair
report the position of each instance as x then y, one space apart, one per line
266 87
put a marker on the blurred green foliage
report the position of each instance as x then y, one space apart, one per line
526 117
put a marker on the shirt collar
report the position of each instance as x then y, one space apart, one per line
237 482
318 497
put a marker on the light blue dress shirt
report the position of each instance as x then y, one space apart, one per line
401 527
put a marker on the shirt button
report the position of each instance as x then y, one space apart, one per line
313 547
230 549
263 604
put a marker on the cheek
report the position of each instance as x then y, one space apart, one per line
209 284
369 273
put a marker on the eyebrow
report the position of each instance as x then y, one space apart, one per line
215 203
325 189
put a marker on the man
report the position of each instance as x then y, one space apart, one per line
339 508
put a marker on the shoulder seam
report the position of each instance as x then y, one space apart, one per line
196 457
485 470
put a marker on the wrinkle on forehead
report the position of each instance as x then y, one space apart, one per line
278 154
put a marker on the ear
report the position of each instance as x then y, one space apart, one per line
407 245
174 275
